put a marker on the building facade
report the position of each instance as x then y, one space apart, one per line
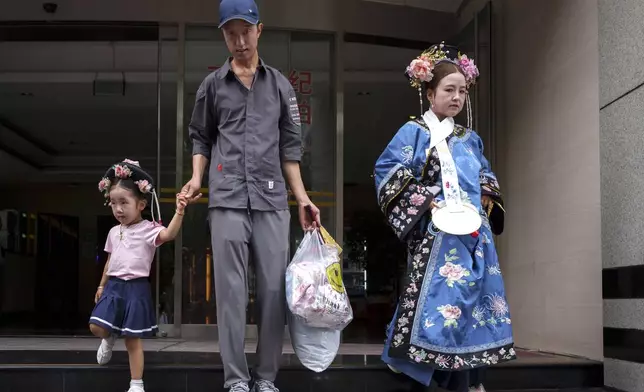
556 106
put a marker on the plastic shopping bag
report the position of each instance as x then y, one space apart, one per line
314 289
316 348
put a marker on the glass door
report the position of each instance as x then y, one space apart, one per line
475 41
305 59
309 70
67 90
168 59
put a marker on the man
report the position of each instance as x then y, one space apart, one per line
246 123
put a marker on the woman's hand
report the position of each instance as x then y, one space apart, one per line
486 201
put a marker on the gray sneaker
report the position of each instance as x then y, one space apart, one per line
264 386
239 387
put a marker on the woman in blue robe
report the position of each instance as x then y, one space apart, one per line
452 319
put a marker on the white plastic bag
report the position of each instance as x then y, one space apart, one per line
314 289
316 348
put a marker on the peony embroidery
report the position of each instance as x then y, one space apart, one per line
451 314
448 318
453 273
417 199
457 362
122 171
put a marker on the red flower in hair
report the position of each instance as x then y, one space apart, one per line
122 171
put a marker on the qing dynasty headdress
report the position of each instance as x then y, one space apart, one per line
421 70
129 169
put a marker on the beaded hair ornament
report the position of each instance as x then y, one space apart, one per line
129 169
421 70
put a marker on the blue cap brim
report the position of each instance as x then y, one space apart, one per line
245 18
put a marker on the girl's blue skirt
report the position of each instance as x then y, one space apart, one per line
126 308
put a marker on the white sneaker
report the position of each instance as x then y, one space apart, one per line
477 389
239 387
136 388
104 353
264 386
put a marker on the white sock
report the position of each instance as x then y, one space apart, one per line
136 383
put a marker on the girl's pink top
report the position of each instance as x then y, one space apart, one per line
132 249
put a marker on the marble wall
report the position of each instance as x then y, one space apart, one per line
621 45
548 163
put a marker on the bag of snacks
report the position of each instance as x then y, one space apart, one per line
314 289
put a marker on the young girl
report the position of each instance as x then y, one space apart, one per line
124 304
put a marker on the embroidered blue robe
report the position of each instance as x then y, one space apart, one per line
452 314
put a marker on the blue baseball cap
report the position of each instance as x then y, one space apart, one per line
238 9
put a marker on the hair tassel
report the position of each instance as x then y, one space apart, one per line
155 201
469 112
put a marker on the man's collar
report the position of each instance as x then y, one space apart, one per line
227 67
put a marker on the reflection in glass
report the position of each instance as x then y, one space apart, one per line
70 119
199 305
168 121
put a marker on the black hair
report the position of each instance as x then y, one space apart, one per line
128 183
442 70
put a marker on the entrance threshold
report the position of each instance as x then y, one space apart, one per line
184 365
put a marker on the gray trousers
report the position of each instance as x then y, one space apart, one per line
235 233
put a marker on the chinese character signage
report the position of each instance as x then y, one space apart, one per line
302 83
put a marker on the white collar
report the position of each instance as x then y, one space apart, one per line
439 130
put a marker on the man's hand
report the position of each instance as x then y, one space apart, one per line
191 190
309 216
309 213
